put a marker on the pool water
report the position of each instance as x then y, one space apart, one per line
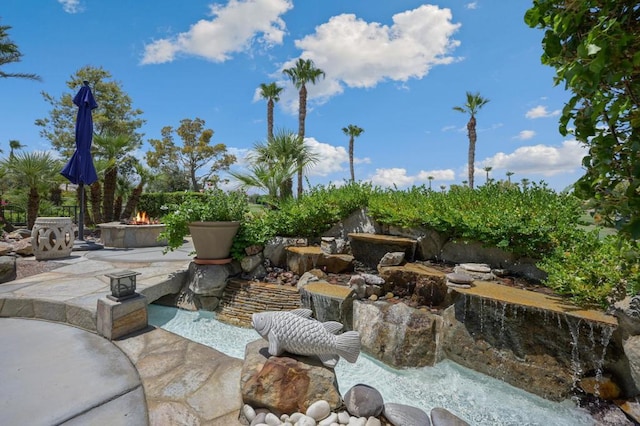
479 399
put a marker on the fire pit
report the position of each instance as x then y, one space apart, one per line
140 231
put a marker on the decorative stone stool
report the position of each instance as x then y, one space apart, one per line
52 237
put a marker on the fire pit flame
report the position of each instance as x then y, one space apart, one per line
142 219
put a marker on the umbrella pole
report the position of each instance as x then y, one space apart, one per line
81 217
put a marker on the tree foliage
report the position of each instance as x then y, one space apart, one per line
194 153
10 53
115 114
595 48
353 132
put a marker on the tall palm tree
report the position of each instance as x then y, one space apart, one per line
13 146
112 149
270 92
36 171
509 174
10 53
353 132
487 169
471 107
302 73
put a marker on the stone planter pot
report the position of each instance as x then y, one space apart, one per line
52 237
213 240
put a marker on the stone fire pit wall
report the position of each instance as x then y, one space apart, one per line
119 235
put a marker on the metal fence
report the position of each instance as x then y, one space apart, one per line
17 216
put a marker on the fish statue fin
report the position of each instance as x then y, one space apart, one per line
274 347
329 360
332 326
348 345
304 313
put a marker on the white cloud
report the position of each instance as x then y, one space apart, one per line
235 27
71 6
399 177
471 6
540 159
541 112
332 158
525 135
360 54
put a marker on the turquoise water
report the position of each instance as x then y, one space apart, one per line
479 399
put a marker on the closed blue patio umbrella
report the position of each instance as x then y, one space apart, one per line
80 169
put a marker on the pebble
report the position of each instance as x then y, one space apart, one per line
272 420
343 417
331 419
306 421
404 415
248 412
443 417
319 410
373 421
259 418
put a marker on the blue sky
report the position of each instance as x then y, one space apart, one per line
394 68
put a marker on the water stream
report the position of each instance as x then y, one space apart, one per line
479 399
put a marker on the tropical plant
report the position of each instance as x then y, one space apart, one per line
471 107
9 53
194 153
594 48
270 92
112 149
214 205
302 73
273 164
36 171
487 169
353 132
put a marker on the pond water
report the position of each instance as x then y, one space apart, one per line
479 399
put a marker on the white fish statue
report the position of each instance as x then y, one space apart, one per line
297 333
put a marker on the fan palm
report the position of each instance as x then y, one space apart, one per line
302 73
471 107
36 171
353 132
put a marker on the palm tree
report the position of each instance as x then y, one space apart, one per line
134 198
270 92
36 171
10 53
487 169
14 145
112 149
509 174
473 105
302 73
275 163
430 180
353 132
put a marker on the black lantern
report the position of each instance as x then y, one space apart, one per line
123 285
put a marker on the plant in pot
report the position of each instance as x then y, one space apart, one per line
211 218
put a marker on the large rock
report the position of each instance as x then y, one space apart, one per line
5 248
429 241
8 269
303 259
329 302
363 401
275 250
210 280
371 248
397 334
358 221
285 384
401 414
23 247
426 286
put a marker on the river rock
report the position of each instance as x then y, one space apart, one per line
392 259
358 284
363 401
285 384
319 410
372 279
405 415
330 420
209 280
443 417
373 421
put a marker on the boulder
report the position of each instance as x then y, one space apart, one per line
8 269
397 334
371 248
23 247
392 259
329 302
285 384
358 221
303 259
275 250
428 285
209 280
5 248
